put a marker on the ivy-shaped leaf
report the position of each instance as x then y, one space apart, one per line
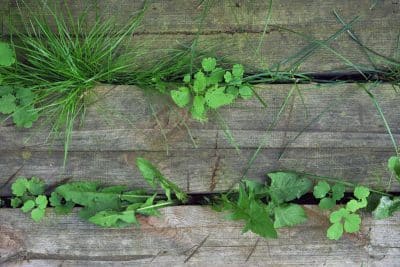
217 97
181 96
7 57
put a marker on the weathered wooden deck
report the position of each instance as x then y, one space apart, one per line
348 140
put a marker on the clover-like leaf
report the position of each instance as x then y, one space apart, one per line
38 214
209 64
25 116
228 77
28 206
187 78
41 201
352 223
394 165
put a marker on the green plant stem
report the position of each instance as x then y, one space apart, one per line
157 206
339 181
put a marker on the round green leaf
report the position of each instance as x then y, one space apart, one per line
245 91
327 203
7 104
228 76
200 82
41 201
6 55
361 192
28 206
237 71
186 78
335 231
352 223
198 109
338 191
394 165
321 189
209 64
38 214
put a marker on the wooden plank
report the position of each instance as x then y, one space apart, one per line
349 141
194 236
236 27
202 170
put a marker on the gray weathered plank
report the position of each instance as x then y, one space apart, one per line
238 26
194 236
349 141
201 170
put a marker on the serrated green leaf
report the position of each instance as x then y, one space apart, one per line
38 214
36 186
216 97
386 207
209 64
289 215
286 186
338 191
200 82
327 203
394 165
352 223
237 71
245 91
321 189
335 231
28 206
19 187
198 109
228 77
56 201
25 116
41 202
361 192
181 97
7 104
7 57
111 218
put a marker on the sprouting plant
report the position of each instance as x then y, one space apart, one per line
29 195
211 88
63 61
112 206
327 195
264 208
347 219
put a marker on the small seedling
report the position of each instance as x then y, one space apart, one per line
347 219
211 88
327 195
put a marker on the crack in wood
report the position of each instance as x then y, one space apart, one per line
196 249
252 249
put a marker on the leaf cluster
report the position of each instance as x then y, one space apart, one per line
19 103
112 206
210 88
29 195
347 219
265 207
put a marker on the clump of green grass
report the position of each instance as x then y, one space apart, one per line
63 60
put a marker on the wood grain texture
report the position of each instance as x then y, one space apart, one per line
235 27
345 138
193 236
